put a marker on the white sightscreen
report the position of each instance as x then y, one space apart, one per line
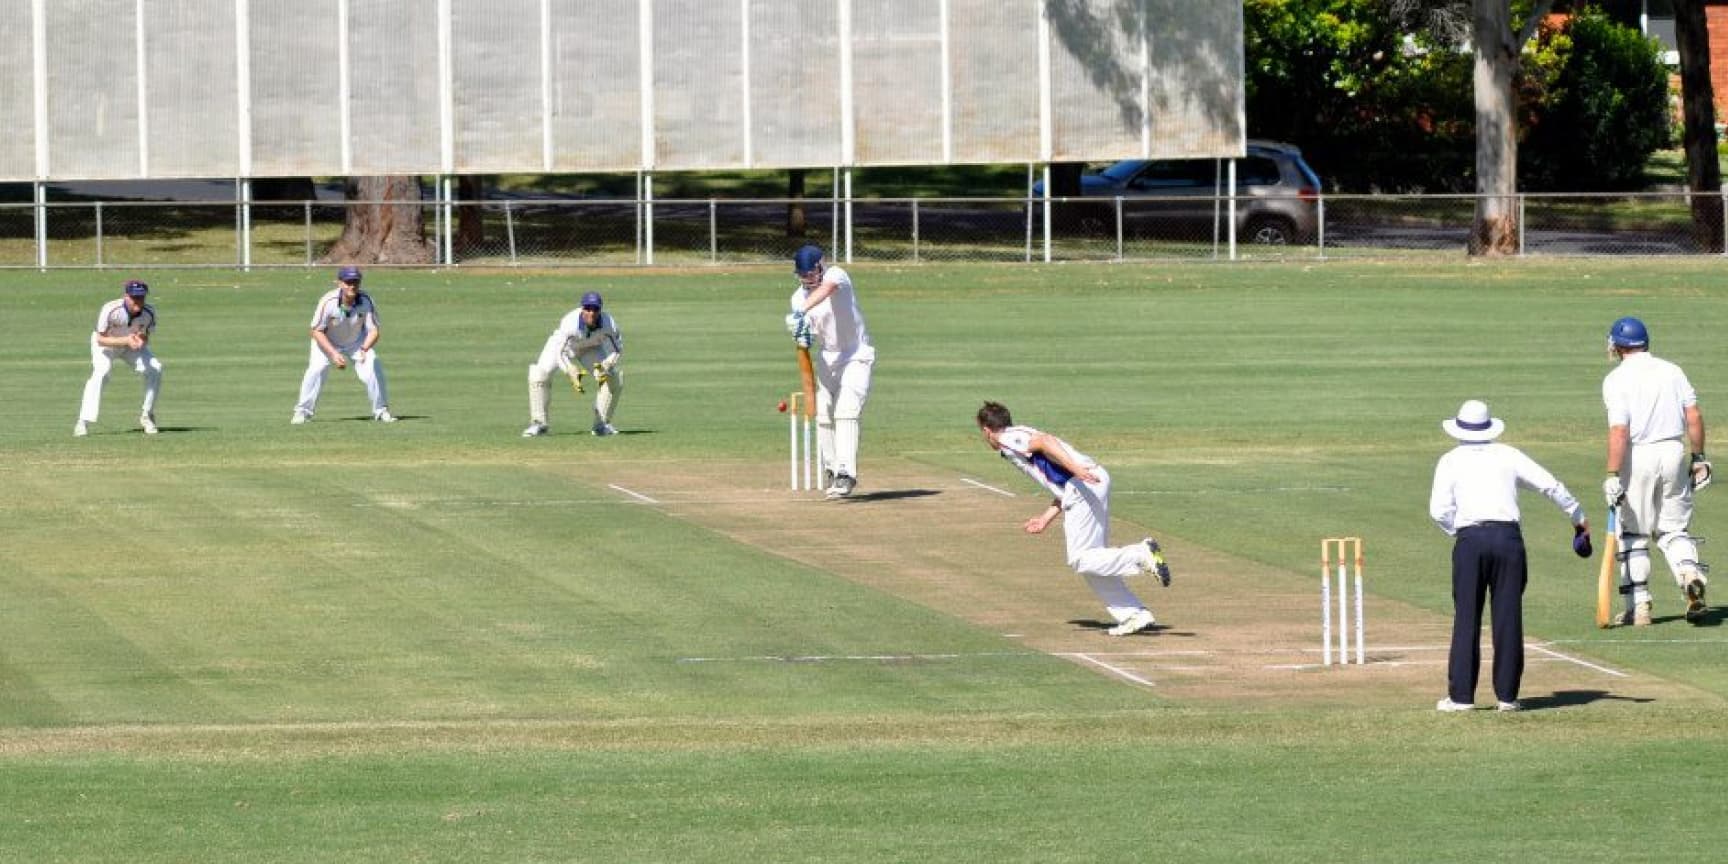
296 88
263 88
17 91
192 109
596 97
394 92
496 76
1196 89
897 67
698 85
993 51
93 89
794 83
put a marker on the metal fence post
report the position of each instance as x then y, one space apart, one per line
41 196
99 262
1118 228
510 231
308 233
1320 223
713 233
1724 194
914 229
1521 226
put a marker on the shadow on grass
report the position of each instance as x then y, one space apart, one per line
1154 630
1576 698
891 495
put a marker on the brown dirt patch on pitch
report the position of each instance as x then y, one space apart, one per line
1230 629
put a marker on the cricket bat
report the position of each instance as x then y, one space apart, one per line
1605 582
807 377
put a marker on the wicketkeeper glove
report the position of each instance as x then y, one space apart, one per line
1701 473
602 372
576 378
1613 490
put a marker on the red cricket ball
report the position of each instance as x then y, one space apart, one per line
781 407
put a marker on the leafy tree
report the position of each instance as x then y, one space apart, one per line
1604 112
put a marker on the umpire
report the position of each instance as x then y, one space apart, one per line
1475 500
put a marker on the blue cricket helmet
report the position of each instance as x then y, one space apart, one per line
1628 332
591 300
806 259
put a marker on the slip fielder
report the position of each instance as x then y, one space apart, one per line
344 328
122 333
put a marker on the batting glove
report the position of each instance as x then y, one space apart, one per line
1613 490
1701 473
794 320
803 335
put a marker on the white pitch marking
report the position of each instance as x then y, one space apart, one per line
637 495
988 488
1570 659
1118 672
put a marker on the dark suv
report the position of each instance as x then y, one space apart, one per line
1276 195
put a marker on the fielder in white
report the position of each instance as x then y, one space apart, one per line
1082 498
1653 417
825 310
587 342
122 333
344 328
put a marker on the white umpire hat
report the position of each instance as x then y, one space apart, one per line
1474 424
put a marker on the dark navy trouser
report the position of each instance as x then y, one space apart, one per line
1487 561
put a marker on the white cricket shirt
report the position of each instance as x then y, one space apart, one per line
115 319
1015 445
346 327
1649 396
837 321
1476 483
578 338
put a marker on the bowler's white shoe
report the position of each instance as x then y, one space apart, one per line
1695 605
1449 706
300 418
1157 567
80 429
535 430
1141 620
384 416
149 424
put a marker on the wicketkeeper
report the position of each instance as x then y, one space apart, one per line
1655 462
587 342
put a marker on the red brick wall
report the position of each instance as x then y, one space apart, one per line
1716 21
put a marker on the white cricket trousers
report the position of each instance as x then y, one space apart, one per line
1086 526
366 367
1658 507
102 362
842 388
555 356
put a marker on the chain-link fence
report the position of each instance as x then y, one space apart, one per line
549 232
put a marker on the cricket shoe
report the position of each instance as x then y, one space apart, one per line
1448 706
1695 605
149 424
536 430
1513 705
827 478
1135 623
384 416
1156 565
843 486
601 430
80 429
1637 616
299 419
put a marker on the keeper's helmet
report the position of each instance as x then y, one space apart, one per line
591 300
1628 332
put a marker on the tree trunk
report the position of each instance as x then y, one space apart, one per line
470 218
1497 54
1698 109
797 221
1495 230
385 224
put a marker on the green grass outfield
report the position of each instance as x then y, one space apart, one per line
436 641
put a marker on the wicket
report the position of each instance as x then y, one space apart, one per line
794 411
1340 549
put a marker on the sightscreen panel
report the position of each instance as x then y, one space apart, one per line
17 92
698 93
795 83
993 51
296 89
93 89
192 122
897 82
496 84
394 99
596 85
1097 104
1197 98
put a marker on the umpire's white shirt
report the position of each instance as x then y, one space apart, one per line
1649 396
345 328
1476 483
